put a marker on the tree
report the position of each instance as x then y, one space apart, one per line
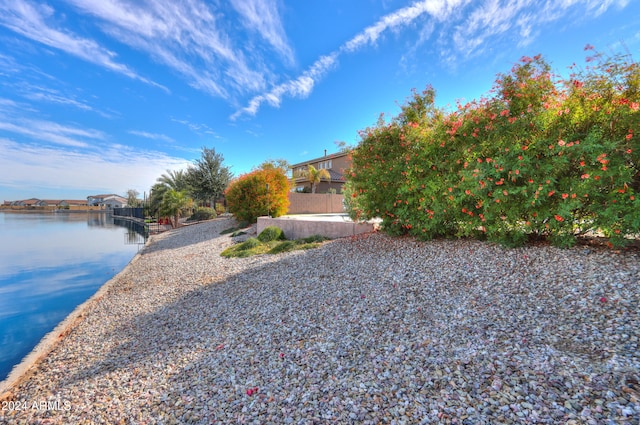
343 146
176 180
132 198
174 203
171 180
208 178
156 194
315 176
258 193
277 164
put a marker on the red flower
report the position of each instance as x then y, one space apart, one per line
603 300
565 196
558 217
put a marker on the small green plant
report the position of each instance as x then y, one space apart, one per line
248 244
271 233
220 209
202 214
253 246
284 246
241 225
314 239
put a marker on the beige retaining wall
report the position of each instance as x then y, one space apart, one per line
302 227
315 203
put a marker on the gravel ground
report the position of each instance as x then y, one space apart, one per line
369 329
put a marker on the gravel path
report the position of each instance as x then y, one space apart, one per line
369 329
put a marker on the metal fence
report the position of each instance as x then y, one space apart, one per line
129 212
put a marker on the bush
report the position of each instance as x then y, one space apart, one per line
202 214
543 156
313 239
248 244
271 233
248 198
220 208
285 246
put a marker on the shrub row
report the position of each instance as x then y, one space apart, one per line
539 156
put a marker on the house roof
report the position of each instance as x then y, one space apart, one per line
321 158
74 201
335 175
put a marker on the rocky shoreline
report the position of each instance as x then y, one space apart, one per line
369 329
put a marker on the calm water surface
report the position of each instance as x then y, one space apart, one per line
49 264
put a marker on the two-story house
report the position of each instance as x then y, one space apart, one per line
336 164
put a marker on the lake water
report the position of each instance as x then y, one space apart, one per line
49 264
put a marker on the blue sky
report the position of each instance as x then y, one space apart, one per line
101 96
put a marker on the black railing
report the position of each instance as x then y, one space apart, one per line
129 212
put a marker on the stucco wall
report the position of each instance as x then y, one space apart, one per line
315 203
301 228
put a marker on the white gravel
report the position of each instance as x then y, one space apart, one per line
369 329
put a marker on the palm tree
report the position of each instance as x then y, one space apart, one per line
171 180
174 203
176 180
315 176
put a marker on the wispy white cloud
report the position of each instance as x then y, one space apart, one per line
263 17
400 18
48 131
33 167
30 20
302 86
189 37
198 128
299 87
464 28
15 118
152 136
519 20
43 94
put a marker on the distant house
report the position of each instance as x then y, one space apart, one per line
336 164
108 202
73 203
32 202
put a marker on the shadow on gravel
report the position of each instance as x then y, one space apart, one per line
335 334
171 240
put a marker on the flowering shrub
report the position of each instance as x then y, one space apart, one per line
540 156
248 198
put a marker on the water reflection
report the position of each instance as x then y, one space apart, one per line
49 264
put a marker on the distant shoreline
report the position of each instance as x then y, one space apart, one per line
42 210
